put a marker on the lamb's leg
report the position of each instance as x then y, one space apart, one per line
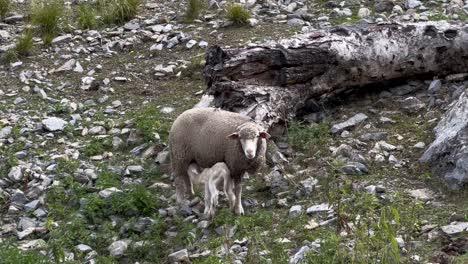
207 200
238 209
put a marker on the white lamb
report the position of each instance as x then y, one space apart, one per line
215 178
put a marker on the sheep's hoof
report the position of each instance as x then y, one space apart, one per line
239 210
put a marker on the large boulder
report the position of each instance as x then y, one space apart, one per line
448 154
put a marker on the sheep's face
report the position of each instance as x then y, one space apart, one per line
248 137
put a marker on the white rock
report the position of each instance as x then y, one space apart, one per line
422 194
15 174
364 12
54 124
6 132
108 192
319 208
190 44
295 210
420 145
203 44
179 256
118 248
455 228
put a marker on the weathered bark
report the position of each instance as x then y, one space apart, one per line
273 81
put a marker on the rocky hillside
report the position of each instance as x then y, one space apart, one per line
89 89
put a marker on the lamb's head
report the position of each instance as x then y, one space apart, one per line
248 134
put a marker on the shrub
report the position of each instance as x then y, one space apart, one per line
193 10
46 15
237 14
5 6
87 17
24 43
118 11
10 254
312 137
9 56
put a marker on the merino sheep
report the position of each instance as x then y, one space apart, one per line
215 178
207 136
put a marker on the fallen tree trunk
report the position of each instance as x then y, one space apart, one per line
273 81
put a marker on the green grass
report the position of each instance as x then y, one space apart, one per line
97 146
9 56
24 43
46 15
118 11
10 254
5 6
87 16
194 8
313 138
108 179
149 120
238 14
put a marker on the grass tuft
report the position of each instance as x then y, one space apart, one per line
24 44
46 16
118 11
194 7
237 14
87 17
5 6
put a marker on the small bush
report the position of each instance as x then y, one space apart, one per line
10 254
24 44
5 6
149 121
46 16
9 56
87 17
193 10
237 14
118 11
309 137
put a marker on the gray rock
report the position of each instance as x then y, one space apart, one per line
419 145
435 86
300 254
403 89
13 19
62 39
108 192
67 66
412 104
318 208
118 248
5 132
383 6
18 198
133 169
364 12
156 47
295 210
422 194
203 44
25 223
412 4
374 136
131 26
448 154
15 174
179 256
355 168
296 22
83 248
54 124
25 233
31 206
97 130
455 228
353 121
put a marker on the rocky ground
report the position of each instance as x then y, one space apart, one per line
83 164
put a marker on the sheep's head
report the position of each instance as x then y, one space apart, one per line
248 134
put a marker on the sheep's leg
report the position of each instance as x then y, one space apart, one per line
182 183
238 209
229 190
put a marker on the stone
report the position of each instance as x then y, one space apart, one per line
54 124
131 26
156 47
420 145
435 86
203 44
31 206
108 192
5 132
364 12
324 207
398 10
455 228
133 169
299 255
355 168
190 44
25 223
62 39
18 198
412 4
374 136
179 256
295 211
97 130
83 248
296 22
25 233
118 248
422 194
412 104
15 174
353 121
448 154
383 6
67 66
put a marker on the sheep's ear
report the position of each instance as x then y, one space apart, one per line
234 135
265 135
